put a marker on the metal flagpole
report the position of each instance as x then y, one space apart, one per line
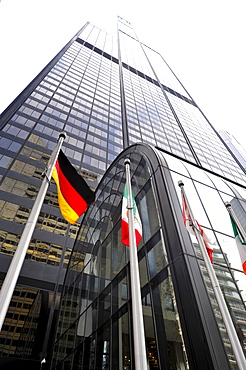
137 311
236 346
20 253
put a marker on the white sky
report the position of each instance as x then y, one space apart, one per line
203 42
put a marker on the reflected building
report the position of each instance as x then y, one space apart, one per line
240 210
234 146
109 93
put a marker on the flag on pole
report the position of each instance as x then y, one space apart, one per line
235 343
188 224
240 244
125 223
74 195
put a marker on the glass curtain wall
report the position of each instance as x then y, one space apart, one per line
80 95
207 194
95 328
161 112
97 332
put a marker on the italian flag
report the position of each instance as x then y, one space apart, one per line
240 244
125 224
188 222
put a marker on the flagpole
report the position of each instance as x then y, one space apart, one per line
20 253
234 217
236 346
137 311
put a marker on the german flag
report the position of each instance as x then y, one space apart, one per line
74 195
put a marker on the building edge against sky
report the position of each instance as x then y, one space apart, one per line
106 93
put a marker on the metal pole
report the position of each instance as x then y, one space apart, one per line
137 311
237 349
20 253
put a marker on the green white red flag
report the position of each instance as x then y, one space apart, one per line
241 246
125 222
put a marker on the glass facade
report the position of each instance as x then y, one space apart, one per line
106 92
95 322
97 284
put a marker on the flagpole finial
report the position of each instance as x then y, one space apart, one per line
63 134
127 161
180 183
227 204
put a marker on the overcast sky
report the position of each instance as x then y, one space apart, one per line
202 41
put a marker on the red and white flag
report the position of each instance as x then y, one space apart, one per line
188 224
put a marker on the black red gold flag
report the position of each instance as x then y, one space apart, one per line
74 195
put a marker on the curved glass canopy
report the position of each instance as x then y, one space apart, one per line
183 325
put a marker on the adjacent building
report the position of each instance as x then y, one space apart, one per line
116 97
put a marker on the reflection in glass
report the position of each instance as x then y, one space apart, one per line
177 354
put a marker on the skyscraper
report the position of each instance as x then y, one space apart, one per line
108 93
